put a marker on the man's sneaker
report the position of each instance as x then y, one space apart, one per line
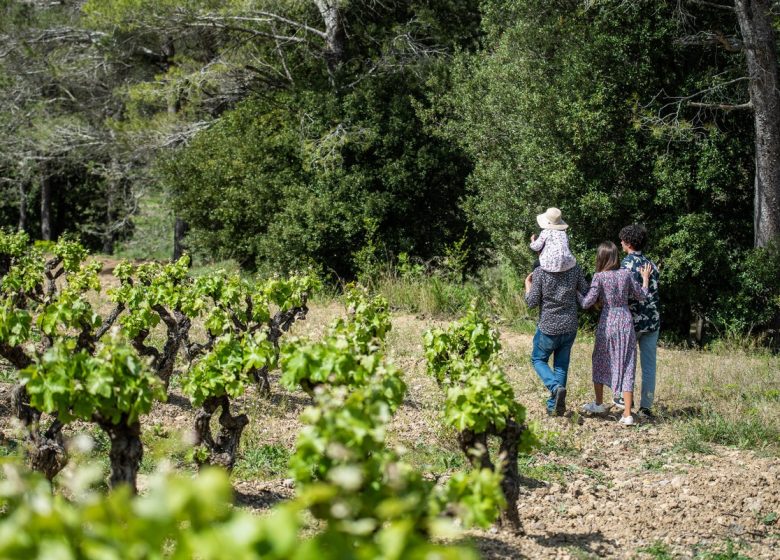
593 408
626 420
618 403
645 414
560 400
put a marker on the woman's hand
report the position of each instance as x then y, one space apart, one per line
645 272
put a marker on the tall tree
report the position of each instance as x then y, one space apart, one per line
55 144
740 74
756 22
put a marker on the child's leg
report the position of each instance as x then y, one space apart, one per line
598 388
627 398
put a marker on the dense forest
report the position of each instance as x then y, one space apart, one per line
287 134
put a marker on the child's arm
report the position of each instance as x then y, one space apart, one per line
538 243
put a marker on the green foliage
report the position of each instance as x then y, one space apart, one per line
188 517
560 108
467 343
13 244
462 360
347 354
66 312
227 368
310 173
348 428
153 284
14 324
112 384
343 442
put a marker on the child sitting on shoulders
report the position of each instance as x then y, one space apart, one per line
553 242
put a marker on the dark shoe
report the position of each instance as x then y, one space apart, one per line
560 401
645 414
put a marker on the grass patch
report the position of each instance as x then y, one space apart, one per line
434 459
162 444
554 442
530 467
7 372
263 462
498 291
657 551
729 551
746 432
654 464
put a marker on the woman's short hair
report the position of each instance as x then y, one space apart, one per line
607 257
635 235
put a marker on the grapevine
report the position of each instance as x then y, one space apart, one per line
479 402
152 293
244 324
343 443
189 517
42 303
349 352
111 388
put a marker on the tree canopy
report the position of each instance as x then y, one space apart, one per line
290 133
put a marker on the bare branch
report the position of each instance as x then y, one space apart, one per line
712 5
722 106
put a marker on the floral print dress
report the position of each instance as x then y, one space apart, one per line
614 354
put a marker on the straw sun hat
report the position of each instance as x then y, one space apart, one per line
551 219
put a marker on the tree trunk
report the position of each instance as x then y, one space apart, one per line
755 23
46 453
46 209
334 34
22 207
126 451
179 229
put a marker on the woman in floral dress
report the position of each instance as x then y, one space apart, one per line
614 355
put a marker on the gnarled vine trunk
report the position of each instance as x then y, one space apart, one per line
475 447
126 451
223 449
45 449
510 484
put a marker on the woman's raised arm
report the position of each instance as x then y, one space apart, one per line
593 293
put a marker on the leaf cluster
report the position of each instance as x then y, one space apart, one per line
114 384
182 517
227 368
463 360
349 353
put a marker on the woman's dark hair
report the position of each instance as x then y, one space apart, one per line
635 235
607 257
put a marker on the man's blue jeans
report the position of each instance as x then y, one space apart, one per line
648 343
559 347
